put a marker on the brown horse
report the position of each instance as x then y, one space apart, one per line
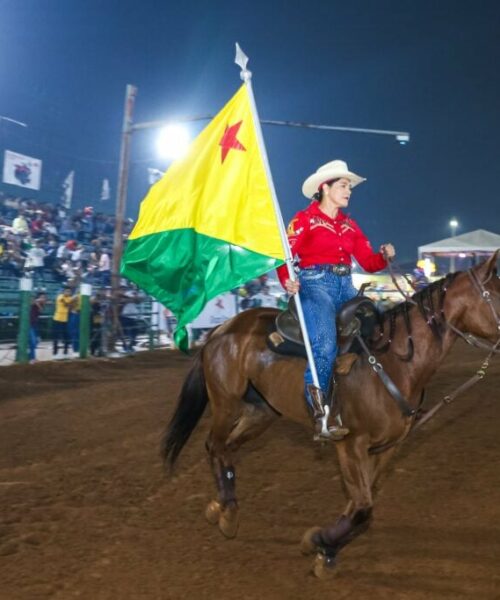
249 386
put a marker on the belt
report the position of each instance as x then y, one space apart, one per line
335 269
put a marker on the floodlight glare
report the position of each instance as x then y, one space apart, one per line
403 138
173 142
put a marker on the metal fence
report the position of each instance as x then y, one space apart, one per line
100 328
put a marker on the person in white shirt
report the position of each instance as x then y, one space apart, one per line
35 261
104 268
20 225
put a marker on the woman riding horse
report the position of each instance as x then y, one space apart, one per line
324 239
249 387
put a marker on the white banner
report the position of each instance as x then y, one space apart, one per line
105 190
154 175
67 187
21 170
216 312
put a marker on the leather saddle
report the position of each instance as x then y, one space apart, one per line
357 316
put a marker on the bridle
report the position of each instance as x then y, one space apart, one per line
473 341
486 296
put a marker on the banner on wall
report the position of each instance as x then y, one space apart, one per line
216 311
24 171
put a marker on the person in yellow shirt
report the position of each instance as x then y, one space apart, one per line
60 322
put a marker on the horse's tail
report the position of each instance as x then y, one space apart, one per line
190 407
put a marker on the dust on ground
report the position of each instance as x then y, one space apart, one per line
87 511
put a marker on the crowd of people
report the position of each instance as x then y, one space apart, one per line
64 314
55 246
50 243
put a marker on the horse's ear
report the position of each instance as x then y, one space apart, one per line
485 269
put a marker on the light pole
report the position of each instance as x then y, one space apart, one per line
453 226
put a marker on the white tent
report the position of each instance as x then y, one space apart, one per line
474 243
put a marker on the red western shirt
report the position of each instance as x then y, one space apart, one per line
317 239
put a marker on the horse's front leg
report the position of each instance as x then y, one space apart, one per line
357 468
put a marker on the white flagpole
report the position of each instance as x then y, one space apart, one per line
241 60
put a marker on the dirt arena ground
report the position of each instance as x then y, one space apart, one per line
87 512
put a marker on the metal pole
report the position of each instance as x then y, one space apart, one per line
121 200
121 192
85 292
25 287
401 136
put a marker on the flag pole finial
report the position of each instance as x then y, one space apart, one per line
241 59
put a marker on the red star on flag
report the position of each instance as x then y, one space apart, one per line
229 141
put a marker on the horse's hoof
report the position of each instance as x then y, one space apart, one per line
212 512
323 566
228 522
308 545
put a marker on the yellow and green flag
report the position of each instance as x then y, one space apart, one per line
209 224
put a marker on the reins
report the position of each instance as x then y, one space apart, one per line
448 399
392 273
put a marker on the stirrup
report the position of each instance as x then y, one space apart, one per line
321 413
325 432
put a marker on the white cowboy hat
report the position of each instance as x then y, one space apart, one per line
336 169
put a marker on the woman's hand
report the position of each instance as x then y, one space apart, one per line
388 251
292 287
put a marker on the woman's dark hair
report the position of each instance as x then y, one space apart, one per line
319 194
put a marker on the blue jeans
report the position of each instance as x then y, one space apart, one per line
74 330
33 341
322 294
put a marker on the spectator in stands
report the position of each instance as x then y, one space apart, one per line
65 271
420 279
67 231
104 268
35 312
37 225
13 261
35 261
60 322
51 253
20 225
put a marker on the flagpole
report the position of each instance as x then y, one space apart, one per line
241 60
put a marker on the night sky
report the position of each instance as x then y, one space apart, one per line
427 67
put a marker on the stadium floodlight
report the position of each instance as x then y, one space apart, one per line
453 226
173 141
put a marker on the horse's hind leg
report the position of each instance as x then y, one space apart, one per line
223 511
226 405
256 418
253 421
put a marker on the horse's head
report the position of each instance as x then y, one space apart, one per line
478 300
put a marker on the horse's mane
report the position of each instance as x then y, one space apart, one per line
429 301
424 297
